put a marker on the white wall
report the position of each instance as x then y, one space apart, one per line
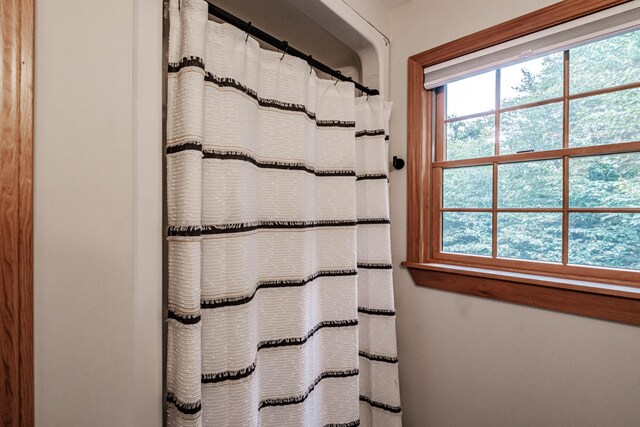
374 11
468 361
97 230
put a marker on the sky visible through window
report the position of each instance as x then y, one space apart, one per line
477 94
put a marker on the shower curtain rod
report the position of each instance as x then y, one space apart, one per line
284 46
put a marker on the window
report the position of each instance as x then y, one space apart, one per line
531 166
538 163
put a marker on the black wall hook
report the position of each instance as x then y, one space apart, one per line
248 31
286 48
398 163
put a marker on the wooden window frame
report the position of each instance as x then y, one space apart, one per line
613 275
596 292
16 214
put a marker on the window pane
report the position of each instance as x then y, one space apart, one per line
605 239
605 119
530 236
466 233
531 81
537 129
611 181
467 187
610 62
471 95
471 138
530 184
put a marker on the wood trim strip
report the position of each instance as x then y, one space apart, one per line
418 172
565 160
555 14
470 116
440 133
603 210
604 91
436 218
16 213
494 179
598 305
438 140
494 212
592 150
548 101
565 210
530 105
9 228
465 209
428 151
545 210
614 276
25 208
533 279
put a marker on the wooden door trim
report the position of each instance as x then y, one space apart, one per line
16 213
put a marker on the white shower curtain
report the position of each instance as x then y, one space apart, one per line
280 304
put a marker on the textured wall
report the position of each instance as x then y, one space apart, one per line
97 266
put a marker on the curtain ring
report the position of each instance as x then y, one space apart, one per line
286 48
340 74
247 31
368 96
309 62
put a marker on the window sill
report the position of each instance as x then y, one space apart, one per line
598 300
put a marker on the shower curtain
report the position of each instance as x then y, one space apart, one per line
280 303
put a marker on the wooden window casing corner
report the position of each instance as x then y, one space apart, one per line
598 300
16 214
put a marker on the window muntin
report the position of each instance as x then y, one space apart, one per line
564 164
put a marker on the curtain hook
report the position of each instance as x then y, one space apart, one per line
368 96
247 31
286 48
340 74
309 62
